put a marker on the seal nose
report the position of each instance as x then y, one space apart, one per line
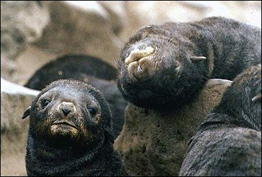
138 54
66 111
66 107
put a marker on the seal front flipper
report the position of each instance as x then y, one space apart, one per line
27 112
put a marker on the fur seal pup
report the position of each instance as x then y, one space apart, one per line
70 133
228 142
91 70
165 66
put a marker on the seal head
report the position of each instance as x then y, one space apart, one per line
155 73
70 133
69 110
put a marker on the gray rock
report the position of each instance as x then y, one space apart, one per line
80 28
27 63
153 143
8 67
117 14
14 100
22 22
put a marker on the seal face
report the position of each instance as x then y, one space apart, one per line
70 132
66 112
154 71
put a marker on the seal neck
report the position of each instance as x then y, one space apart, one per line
43 158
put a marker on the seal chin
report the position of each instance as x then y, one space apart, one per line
64 128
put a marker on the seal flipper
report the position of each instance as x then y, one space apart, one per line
27 112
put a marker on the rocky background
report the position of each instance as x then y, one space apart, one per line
35 32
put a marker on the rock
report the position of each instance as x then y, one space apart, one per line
8 67
28 62
14 100
153 143
116 11
79 27
22 22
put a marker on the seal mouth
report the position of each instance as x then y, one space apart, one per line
64 128
65 123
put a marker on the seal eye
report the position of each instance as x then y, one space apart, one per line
44 103
92 111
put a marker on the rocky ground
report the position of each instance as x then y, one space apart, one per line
35 32
14 100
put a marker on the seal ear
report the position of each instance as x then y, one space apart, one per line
27 112
197 58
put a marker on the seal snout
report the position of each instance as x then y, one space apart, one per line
137 54
140 62
66 108
64 125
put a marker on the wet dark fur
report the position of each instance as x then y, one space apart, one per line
229 46
87 154
89 69
228 143
71 66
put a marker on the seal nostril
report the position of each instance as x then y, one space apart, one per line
66 111
139 69
66 107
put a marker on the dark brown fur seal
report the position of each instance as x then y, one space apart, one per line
91 70
228 143
165 66
70 133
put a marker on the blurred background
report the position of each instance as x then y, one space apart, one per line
36 32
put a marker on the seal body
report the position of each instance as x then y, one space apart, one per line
91 70
70 133
167 65
228 143
71 67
